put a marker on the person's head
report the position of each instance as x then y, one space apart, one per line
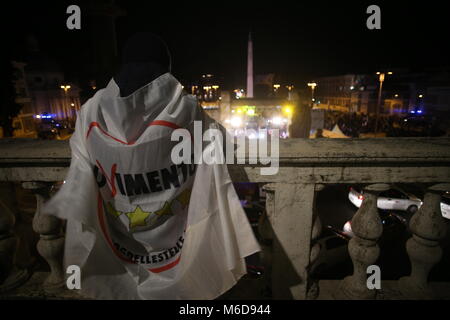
145 57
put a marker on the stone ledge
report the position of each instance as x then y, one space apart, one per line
33 290
389 290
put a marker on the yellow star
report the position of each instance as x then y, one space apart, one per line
137 217
110 208
166 209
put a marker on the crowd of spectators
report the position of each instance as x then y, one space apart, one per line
354 124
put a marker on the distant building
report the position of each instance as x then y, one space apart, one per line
402 93
49 92
41 87
208 92
20 84
347 93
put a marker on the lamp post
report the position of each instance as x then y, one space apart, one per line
312 85
65 108
381 76
290 87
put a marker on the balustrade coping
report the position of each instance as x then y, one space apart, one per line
291 150
372 160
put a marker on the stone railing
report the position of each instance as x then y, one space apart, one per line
306 167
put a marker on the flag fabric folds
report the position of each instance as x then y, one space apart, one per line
138 225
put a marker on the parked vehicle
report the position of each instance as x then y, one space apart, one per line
333 243
393 224
24 126
49 128
445 205
398 199
392 199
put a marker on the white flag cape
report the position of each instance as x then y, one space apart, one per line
138 225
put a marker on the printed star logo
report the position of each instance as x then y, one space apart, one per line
112 210
166 209
137 217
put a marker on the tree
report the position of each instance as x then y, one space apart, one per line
8 106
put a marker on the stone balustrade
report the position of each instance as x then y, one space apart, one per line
306 166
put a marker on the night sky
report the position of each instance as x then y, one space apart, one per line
298 40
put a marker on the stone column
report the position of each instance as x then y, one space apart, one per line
10 275
51 243
428 227
291 219
363 247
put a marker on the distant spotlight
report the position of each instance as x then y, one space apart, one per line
236 122
287 110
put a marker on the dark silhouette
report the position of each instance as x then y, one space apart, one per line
144 58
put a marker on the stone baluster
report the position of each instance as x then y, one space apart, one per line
363 247
313 284
10 275
428 227
51 243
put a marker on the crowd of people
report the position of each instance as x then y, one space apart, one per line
356 125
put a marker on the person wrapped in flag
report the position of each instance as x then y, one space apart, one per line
139 225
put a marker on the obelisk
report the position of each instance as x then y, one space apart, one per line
250 67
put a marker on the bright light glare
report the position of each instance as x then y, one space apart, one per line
277 121
236 122
287 110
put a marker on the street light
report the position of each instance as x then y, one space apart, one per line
65 107
65 88
381 76
312 85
